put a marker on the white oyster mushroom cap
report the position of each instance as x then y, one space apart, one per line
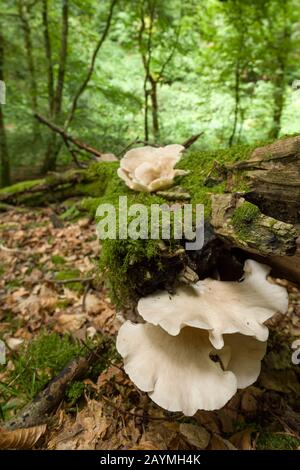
218 306
242 355
150 168
179 372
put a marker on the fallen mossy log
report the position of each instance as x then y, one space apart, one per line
54 187
251 198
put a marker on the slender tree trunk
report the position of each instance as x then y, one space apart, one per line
62 60
146 114
154 108
48 53
23 14
5 165
54 145
278 96
237 102
4 157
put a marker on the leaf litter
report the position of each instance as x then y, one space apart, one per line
41 290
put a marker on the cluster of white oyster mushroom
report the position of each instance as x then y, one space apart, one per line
149 168
205 341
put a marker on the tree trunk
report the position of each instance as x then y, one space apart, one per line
278 97
54 145
4 157
48 54
154 108
236 102
23 14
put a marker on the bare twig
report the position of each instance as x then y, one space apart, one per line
73 153
74 279
11 250
191 140
86 291
88 148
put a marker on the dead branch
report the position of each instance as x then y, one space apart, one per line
75 279
68 137
38 411
187 143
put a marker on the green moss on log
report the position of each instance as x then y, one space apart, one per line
243 217
132 265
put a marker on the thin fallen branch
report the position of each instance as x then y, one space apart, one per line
72 153
68 137
11 250
75 279
38 411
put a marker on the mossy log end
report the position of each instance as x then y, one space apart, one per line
272 178
252 206
242 223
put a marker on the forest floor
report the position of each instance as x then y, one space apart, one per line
48 316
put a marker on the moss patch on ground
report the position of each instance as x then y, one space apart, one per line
68 274
42 359
277 441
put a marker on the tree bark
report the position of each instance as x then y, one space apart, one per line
48 54
154 109
54 146
29 54
278 97
236 101
4 156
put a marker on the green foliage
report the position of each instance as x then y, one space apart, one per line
244 216
38 362
74 392
57 260
235 85
68 274
277 441
42 359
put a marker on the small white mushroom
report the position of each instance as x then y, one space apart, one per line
185 372
218 306
149 168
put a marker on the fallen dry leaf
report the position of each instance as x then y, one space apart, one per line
89 427
197 436
219 443
209 420
24 438
14 343
244 440
71 322
93 304
146 445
